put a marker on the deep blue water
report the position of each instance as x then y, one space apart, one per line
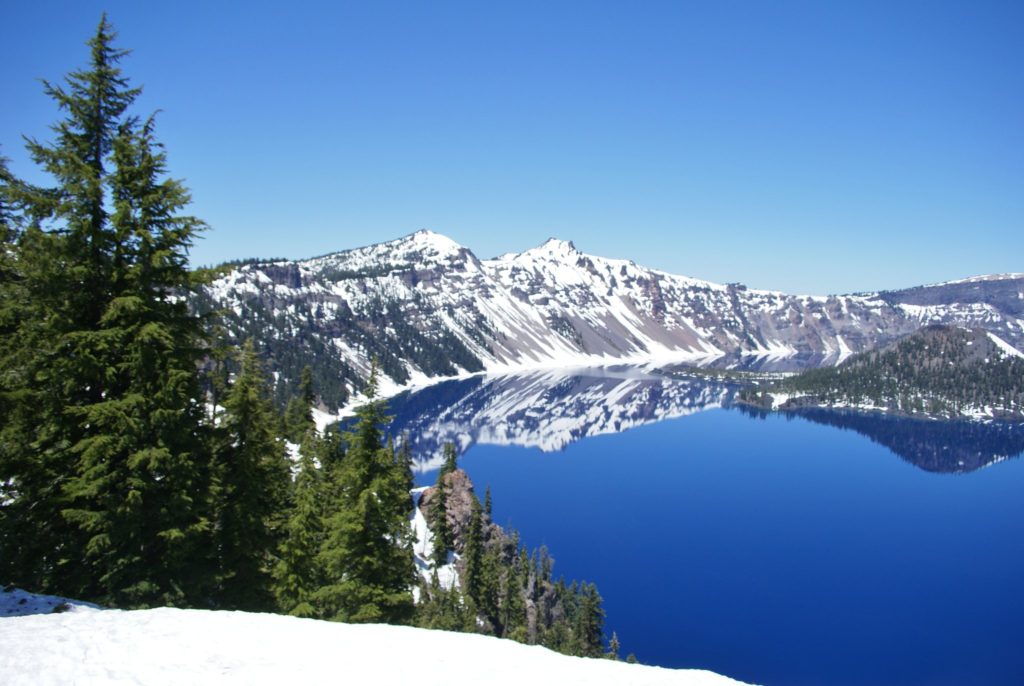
781 550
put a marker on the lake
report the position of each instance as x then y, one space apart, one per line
821 548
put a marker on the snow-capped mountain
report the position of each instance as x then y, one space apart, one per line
426 306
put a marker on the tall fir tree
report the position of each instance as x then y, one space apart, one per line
367 554
298 415
254 482
450 464
20 556
442 539
297 574
589 622
112 469
472 554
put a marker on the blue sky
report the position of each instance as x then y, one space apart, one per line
801 146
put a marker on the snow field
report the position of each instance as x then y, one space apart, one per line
200 647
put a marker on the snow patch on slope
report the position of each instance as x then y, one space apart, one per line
200 647
15 602
1004 346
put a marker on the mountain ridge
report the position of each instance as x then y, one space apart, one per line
427 307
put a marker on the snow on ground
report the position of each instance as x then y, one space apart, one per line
15 602
197 647
447 575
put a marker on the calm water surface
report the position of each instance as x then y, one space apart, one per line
826 549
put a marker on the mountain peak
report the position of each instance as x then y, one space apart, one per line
558 245
425 238
552 249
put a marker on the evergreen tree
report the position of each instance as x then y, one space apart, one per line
472 555
513 609
441 532
487 502
10 221
450 461
613 647
253 472
589 622
298 415
105 438
24 536
442 608
297 574
367 555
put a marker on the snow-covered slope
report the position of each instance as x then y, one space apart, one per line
15 602
427 307
196 647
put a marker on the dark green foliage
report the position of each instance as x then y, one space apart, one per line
367 555
297 574
589 622
294 332
103 452
506 589
938 371
472 554
253 472
443 608
442 533
450 464
287 356
10 221
298 415
613 647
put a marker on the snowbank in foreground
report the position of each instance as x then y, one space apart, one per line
168 646
15 602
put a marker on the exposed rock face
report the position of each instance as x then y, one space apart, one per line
539 597
424 305
459 495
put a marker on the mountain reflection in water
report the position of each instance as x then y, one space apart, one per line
551 409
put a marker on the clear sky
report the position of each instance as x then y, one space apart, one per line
802 146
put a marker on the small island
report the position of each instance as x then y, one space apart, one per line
940 372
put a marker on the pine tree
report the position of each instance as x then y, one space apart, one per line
297 573
367 555
442 532
298 415
24 534
513 609
489 602
10 221
114 475
450 461
254 480
589 622
473 550
613 647
487 502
